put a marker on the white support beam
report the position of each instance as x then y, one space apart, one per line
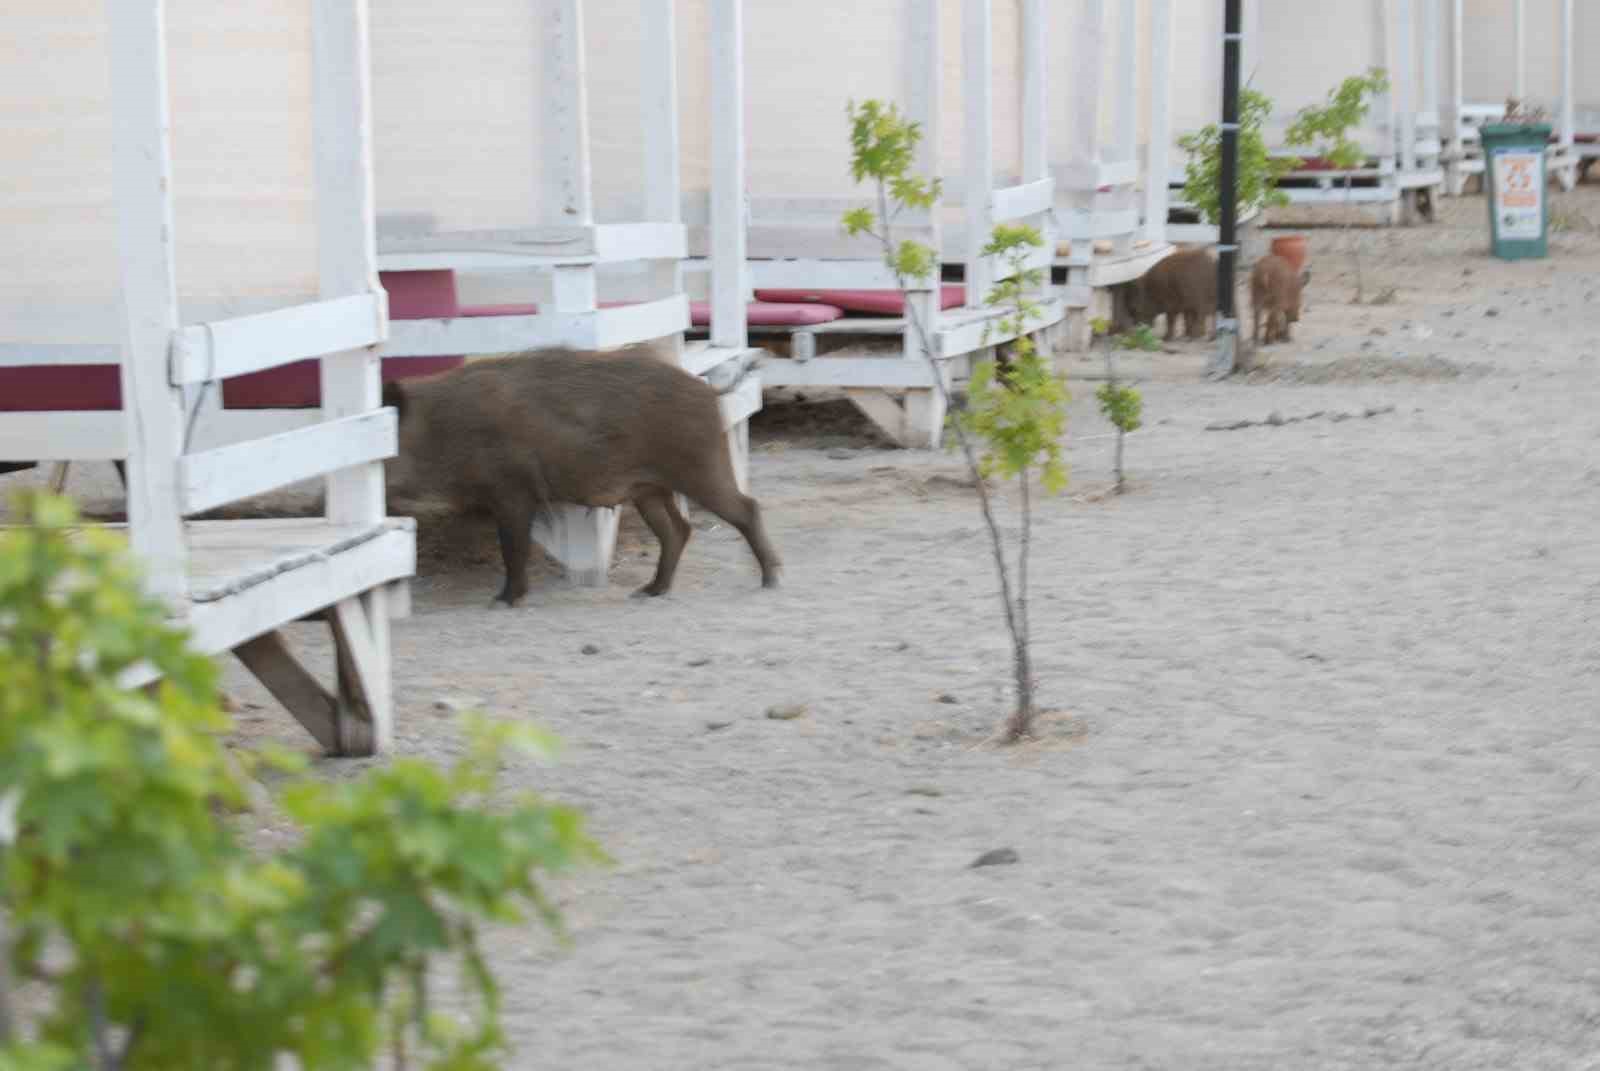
807 274
1519 45
663 201
585 330
1403 76
730 287
923 64
1569 123
64 436
534 247
1020 202
1035 97
235 347
1432 11
564 104
1085 158
347 259
1127 102
229 473
1386 58
152 407
977 76
1159 164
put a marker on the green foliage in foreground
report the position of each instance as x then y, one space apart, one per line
149 935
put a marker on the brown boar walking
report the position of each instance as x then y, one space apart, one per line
1275 292
1183 284
519 433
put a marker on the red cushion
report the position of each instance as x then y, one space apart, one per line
528 309
421 295
771 313
883 302
49 388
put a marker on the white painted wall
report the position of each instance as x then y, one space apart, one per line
240 81
1488 51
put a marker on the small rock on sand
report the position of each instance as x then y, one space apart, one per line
996 857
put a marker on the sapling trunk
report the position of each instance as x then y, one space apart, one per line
1020 724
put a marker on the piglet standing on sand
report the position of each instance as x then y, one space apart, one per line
519 433
1275 290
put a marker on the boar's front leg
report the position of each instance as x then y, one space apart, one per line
513 517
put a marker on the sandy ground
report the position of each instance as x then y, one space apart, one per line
1317 792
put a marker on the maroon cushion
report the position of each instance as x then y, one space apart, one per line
413 295
525 309
771 313
884 302
49 388
421 295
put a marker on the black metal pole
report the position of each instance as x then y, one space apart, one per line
1227 245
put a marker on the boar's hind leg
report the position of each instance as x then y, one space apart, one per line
672 530
719 493
514 520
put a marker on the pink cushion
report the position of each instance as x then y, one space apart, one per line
413 295
883 302
52 388
421 295
474 311
771 313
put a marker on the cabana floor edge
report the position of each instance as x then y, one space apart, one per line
248 578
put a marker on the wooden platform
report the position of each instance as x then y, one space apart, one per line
248 577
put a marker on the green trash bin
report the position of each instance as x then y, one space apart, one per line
1515 182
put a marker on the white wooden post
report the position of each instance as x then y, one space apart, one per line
977 79
582 540
730 286
1405 48
1519 37
1456 179
662 203
1127 138
923 411
1158 165
347 264
1089 33
151 406
1035 106
1430 61
1387 156
1569 124
347 260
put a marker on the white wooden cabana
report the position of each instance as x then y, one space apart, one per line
1307 50
530 147
1296 54
1488 51
1111 141
779 76
188 199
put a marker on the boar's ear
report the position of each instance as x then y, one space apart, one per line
394 397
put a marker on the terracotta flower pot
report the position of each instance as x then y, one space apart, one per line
1291 247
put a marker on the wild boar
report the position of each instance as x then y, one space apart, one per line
1275 292
1185 284
519 433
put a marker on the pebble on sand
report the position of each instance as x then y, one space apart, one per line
996 857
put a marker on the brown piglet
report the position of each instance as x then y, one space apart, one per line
1275 291
1183 284
519 433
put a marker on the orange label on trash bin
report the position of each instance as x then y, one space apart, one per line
1519 194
